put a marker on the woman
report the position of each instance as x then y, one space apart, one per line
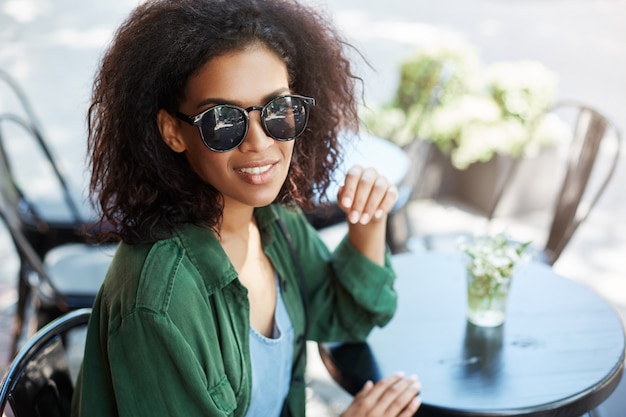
212 122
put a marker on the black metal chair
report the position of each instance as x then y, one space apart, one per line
582 182
400 231
48 228
39 381
48 222
571 209
65 272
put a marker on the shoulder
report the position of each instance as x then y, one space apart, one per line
188 266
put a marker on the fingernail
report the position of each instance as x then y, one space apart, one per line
355 170
346 201
353 217
378 214
365 218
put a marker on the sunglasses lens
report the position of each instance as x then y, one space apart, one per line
223 127
285 117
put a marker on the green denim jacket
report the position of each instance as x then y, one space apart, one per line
169 330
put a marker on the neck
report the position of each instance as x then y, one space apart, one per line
236 220
240 238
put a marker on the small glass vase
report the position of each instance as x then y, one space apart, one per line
487 299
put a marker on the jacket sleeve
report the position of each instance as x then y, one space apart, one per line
160 344
348 294
169 376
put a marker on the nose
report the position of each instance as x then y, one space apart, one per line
256 139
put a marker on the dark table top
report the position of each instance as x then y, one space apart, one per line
560 351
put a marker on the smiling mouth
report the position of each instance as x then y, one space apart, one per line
256 170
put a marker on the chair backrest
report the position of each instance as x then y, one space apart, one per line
51 220
39 382
591 129
581 185
17 205
28 230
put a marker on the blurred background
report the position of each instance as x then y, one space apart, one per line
52 47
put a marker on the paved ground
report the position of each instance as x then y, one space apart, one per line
52 48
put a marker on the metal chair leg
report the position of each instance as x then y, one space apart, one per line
23 293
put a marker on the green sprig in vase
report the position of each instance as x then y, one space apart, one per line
492 261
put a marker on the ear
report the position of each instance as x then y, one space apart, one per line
169 127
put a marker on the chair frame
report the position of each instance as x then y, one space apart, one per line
569 213
34 347
32 234
590 128
569 210
32 126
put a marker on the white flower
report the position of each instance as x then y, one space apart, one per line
493 257
470 112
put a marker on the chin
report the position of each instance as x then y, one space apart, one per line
261 201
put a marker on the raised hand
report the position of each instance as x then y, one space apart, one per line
366 195
367 198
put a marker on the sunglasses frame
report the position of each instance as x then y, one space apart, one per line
197 119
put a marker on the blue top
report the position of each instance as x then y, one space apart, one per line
271 364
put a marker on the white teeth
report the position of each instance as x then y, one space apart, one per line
256 170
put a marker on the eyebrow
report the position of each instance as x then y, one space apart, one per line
217 101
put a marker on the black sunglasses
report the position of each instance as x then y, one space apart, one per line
224 127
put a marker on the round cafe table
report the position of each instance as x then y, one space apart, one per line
560 351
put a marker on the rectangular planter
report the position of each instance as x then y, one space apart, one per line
530 186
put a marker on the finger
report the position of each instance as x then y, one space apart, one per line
345 196
357 407
371 398
393 399
388 202
367 387
362 195
411 408
406 394
374 207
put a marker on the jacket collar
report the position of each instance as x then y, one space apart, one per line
206 253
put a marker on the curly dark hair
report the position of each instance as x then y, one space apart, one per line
143 189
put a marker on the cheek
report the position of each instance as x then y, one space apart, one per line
288 149
205 163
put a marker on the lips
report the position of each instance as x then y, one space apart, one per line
259 173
